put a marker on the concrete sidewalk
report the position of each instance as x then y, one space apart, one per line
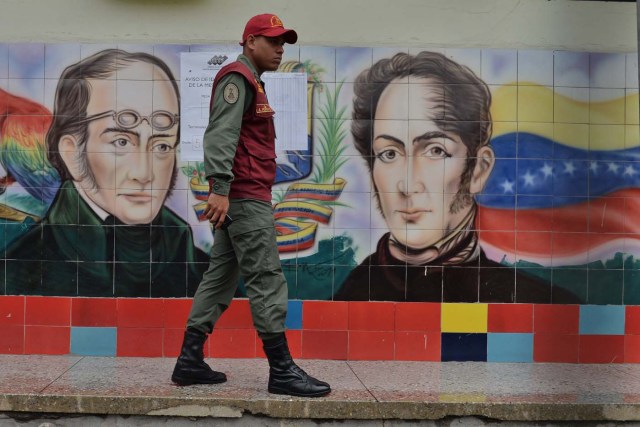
361 390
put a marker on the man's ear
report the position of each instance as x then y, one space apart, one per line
482 170
250 42
70 153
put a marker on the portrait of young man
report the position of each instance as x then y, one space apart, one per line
113 142
423 125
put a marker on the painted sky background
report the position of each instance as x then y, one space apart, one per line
562 121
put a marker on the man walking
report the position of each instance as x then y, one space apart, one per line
240 165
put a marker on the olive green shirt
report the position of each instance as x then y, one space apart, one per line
223 132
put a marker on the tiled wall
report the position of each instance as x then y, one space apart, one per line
144 327
544 265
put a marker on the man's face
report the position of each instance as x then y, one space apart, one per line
417 167
266 52
131 161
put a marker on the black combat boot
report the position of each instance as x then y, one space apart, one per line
285 377
191 367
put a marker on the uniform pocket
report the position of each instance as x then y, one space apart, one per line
262 163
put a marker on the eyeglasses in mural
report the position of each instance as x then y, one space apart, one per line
451 175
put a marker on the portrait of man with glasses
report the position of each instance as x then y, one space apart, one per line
113 141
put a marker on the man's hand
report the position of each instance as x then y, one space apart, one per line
217 207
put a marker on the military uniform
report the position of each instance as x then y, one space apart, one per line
240 163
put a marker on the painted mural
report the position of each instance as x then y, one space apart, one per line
433 175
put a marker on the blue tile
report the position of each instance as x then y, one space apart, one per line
294 315
510 348
602 319
464 347
93 341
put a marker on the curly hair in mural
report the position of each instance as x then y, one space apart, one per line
423 125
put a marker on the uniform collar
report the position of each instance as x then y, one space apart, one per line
242 58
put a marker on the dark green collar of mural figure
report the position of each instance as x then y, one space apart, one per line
73 252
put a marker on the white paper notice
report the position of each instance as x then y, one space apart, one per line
287 95
198 70
286 92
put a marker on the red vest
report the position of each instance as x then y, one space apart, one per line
254 166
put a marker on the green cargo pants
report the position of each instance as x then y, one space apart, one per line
247 247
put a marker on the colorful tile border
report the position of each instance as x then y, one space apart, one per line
143 327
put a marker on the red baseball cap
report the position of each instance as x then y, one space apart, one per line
268 25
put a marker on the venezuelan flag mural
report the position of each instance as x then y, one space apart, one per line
558 211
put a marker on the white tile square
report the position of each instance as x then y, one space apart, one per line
26 60
571 69
499 66
631 70
322 60
535 67
607 70
469 57
351 61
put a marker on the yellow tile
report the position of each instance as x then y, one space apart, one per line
504 105
573 135
567 110
503 128
607 113
606 137
631 110
631 136
463 317
535 104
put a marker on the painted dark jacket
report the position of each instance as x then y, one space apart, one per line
381 277
72 252
254 162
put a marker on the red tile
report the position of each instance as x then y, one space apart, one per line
172 342
632 349
510 318
139 342
140 313
632 320
325 315
579 219
372 316
524 222
556 319
233 343
418 316
371 345
47 340
101 312
489 221
237 316
12 310
506 239
565 244
603 216
176 312
533 242
330 345
418 346
294 338
11 339
556 348
48 311
601 349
